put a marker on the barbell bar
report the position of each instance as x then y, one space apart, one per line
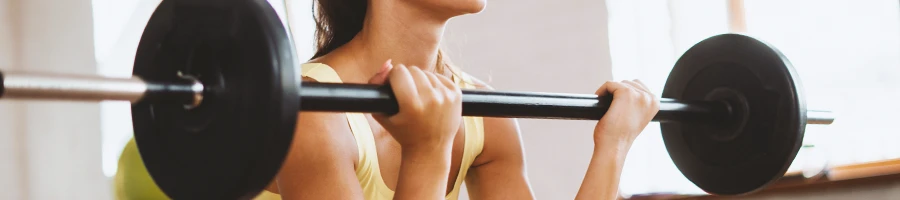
215 96
343 97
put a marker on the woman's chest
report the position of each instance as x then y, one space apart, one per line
389 155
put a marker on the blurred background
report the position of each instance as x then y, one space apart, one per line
847 53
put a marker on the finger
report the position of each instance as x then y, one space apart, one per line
653 98
449 87
446 82
404 87
421 80
640 82
603 90
382 75
608 88
614 88
434 80
642 92
642 86
636 86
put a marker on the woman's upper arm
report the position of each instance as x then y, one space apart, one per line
320 164
499 172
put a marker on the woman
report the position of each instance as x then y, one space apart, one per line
426 150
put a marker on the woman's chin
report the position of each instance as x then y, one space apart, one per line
450 9
476 6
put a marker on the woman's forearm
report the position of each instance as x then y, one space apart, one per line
423 172
602 178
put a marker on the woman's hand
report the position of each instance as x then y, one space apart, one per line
430 113
633 106
430 106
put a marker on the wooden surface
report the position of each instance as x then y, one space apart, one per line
856 175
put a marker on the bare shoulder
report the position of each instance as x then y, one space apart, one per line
322 131
499 171
323 149
501 135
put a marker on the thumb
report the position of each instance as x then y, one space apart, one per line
380 77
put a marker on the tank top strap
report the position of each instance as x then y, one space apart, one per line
367 170
474 135
358 122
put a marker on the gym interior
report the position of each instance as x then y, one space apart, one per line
845 53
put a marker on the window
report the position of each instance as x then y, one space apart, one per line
118 25
846 52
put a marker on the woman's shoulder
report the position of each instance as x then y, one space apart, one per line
320 69
470 79
317 62
322 128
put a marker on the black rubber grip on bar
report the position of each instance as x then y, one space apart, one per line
333 97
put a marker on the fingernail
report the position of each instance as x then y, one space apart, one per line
387 66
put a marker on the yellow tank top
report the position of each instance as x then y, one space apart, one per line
368 171
133 182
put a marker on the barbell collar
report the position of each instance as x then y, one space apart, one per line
820 117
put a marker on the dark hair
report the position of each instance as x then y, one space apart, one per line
338 21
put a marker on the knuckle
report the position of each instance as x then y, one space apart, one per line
416 107
438 98
411 107
455 89
416 79
447 99
446 79
647 100
633 94
454 95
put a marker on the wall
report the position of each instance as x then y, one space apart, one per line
535 45
53 148
10 154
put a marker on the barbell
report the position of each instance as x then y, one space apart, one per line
216 92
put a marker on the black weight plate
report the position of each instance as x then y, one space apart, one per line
234 143
754 147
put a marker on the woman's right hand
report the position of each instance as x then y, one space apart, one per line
430 107
430 113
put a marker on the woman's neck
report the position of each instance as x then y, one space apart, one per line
399 32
